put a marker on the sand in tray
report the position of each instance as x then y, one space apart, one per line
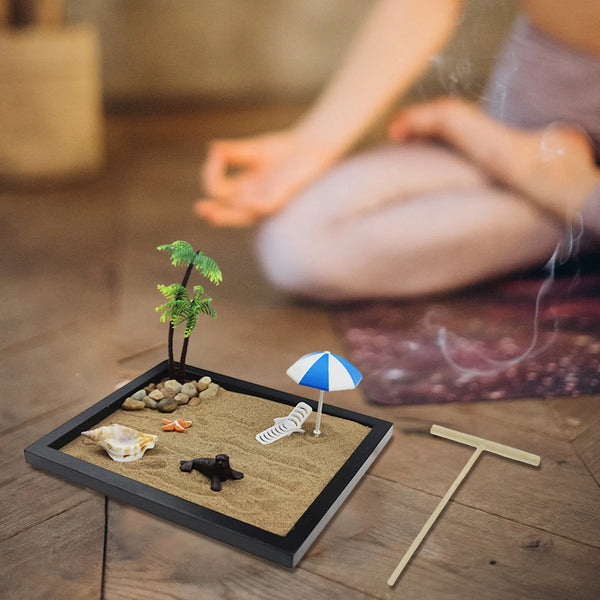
281 480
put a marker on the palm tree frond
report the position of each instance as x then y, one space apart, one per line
205 308
173 291
191 323
194 309
182 252
176 308
208 267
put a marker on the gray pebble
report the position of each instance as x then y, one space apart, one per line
167 405
150 403
181 398
168 392
173 384
189 389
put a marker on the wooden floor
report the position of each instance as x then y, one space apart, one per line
79 274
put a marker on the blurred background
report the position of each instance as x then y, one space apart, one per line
106 109
164 51
65 65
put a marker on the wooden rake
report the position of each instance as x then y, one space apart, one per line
481 445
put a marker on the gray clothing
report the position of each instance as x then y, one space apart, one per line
539 80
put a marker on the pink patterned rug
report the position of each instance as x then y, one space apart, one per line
489 343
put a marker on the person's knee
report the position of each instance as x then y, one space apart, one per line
302 260
284 257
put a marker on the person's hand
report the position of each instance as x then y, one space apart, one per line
247 179
553 166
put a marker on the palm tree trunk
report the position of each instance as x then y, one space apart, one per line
188 272
171 354
181 373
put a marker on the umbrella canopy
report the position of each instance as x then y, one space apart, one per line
325 371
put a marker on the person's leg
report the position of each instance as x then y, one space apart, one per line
401 221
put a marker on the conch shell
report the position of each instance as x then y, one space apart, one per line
123 444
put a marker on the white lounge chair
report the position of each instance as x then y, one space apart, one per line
285 426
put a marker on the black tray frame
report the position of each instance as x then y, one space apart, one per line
284 550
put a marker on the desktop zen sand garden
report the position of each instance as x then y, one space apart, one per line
285 480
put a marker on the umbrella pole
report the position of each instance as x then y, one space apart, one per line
317 430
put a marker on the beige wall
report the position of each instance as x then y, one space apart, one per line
240 50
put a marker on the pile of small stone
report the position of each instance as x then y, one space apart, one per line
166 396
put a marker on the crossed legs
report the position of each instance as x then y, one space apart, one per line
400 221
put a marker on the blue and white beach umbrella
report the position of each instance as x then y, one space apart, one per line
326 372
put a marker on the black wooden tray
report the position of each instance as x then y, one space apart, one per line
284 550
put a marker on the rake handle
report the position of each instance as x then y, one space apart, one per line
434 515
480 445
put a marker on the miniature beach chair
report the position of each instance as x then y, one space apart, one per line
285 426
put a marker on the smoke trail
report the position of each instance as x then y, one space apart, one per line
565 248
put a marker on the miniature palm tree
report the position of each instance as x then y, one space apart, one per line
180 307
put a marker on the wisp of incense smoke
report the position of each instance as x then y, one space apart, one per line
448 341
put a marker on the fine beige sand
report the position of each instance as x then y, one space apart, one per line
281 480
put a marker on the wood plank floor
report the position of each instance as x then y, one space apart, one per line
79 276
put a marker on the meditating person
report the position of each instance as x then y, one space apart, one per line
459 195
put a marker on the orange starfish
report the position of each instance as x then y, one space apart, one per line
176 425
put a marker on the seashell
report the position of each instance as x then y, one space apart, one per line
123 444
